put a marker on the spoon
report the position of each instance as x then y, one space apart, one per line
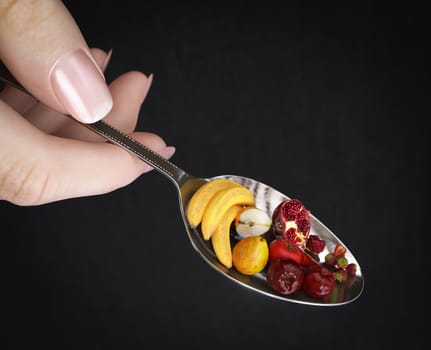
267 198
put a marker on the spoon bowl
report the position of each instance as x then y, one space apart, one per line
266 198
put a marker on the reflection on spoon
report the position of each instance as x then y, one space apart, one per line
266 198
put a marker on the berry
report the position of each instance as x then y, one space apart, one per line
331 259
342 262
339 250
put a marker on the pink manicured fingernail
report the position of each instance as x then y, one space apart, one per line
80 87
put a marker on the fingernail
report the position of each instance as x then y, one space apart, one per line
80 87
106 61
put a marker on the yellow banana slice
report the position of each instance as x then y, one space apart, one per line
220 203
202 196
221 238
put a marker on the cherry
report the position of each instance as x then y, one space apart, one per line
318 281
285 276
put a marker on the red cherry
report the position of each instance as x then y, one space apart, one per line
285 277
318 281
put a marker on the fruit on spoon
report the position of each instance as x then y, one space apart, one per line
250 255
202 197
221 238
291 220
315 244
219 205
282 248
318 281
285 276
252 222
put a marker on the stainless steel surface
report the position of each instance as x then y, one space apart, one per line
267 199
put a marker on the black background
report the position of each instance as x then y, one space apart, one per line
325 104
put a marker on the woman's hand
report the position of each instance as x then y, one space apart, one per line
44 155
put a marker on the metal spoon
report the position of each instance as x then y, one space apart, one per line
267 199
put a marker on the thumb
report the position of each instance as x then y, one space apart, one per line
44 49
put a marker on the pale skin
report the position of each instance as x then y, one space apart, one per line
44 155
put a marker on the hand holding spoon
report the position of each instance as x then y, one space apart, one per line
267 198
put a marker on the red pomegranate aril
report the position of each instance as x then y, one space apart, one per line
304 225
303 215
291 234
291 220
292 208
315 244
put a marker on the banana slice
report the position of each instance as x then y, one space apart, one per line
219 205
202 197
221 238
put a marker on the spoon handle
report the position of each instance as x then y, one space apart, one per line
164 166
110 133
